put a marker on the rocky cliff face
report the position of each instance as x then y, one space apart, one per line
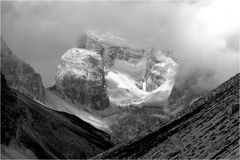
208 128
20 75
134 76
80 78
29 130
113 78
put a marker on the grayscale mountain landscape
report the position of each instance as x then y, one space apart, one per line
120 79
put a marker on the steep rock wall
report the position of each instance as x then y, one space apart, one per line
80 78
21 76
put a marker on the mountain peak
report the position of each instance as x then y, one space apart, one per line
75 55
108 37
132 76
80 78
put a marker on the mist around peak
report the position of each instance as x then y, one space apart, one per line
203 35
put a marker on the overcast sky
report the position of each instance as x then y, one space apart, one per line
201 34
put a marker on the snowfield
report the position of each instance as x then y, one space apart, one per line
57 103
122 88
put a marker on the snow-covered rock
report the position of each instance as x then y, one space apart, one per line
134 76
107 67
153 90
57 103
80 78
90 38
111 47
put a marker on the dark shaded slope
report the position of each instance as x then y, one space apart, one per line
207 128
47 133
20 75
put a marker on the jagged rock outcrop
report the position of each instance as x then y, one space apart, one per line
29 130
208 128
80 78
20 75
134 76
113 47
128 75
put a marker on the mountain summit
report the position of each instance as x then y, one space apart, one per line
80 78
127 75
119 84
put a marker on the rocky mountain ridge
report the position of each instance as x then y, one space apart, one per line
29 130
21 76
207 128
106 81
131 76
80 78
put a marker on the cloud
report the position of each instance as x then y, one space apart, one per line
201 34
209 38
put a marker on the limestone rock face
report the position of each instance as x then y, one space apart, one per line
80 78
134 75
20 75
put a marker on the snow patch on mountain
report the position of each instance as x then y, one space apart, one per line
122 89
104 69
57 103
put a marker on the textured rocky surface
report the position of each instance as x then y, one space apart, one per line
116 47
30 130
208 128
134 76
80 78
20 75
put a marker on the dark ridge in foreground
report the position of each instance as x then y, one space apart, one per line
206 129
32 130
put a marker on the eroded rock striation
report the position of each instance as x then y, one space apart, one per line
20 75
208 128
80 78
